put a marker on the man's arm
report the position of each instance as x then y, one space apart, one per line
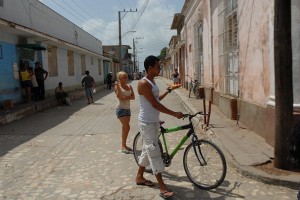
45 72
82 81
145 89
168 90
93 82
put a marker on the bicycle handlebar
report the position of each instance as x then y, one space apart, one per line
194 115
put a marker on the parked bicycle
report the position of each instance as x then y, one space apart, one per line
193 88
203 162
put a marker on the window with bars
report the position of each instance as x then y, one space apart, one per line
52 60
198 41
83 64
228 46
71 68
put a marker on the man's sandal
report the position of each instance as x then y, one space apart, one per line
146 183
166 194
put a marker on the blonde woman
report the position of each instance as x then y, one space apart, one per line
124 94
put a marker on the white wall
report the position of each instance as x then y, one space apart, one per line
296 50
35 15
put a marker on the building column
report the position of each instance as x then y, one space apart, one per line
295 24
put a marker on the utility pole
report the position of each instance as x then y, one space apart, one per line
133 55
283 82
120 36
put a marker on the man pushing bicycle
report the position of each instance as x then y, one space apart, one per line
150 107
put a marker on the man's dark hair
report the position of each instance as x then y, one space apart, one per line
150 61
87 72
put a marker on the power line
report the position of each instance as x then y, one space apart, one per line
84 18
142 11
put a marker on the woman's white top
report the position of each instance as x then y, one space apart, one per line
147 112
124 103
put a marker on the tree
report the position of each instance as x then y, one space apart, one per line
283 81
163 53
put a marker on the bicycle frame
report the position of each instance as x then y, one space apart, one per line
174 129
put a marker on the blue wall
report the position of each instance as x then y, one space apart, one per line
9 87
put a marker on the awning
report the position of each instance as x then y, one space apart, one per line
31 46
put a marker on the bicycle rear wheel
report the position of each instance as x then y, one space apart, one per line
190 90
137 149
210 172
196 92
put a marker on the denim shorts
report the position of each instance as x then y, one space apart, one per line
89 92
120 112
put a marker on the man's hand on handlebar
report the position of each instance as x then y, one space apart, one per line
178 115
194 115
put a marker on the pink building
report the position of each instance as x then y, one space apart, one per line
227 45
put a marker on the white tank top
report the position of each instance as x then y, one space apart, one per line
147 112
124 103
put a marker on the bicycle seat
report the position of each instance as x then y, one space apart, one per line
161 122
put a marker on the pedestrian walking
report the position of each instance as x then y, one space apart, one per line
175 77
150 108
41 75
124 93
109 80
89 84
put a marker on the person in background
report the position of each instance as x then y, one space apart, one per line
109 80
124 93
89 84
41 75
35 86
175 77
150 108
26 82
60 94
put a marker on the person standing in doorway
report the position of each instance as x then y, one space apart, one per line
41 75
150 108
35 86
109 80
89 84
124 94
26 82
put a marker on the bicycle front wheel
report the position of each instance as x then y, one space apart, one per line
137 149
210 170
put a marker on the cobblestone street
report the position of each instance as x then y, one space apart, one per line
73 152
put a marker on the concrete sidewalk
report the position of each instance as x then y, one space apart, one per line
244 149
22 110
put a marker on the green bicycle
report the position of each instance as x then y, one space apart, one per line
204 163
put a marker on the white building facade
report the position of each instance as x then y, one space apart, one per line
33 33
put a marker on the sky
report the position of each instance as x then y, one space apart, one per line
149 26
